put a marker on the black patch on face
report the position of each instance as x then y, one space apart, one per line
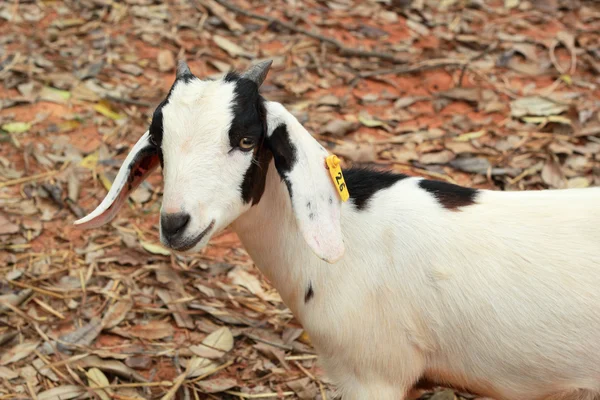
156 126
284 153
309 293
249 120
451 197
363 183
156 130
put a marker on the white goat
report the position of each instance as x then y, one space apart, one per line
494 292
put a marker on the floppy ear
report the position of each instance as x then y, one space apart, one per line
139 163
300 161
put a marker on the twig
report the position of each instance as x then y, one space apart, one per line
260 395
343 49
259 339
421 66
476 57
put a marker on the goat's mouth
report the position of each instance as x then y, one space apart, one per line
189 243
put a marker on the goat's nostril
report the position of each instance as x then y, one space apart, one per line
173 224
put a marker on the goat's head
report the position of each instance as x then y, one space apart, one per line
214 141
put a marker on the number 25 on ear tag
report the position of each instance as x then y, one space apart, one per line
333 165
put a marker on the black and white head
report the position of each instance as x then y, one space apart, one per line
212 139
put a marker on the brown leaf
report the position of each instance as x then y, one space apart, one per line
439 157
7 227
304 388
19 352
179 310
339 127
83 336
65 392
116 313
553 175
153 330
139 362
216 385
110 366
165 60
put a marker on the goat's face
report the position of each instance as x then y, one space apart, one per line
208 135
212 141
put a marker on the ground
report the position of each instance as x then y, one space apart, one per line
501 95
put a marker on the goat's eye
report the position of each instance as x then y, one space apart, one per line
152 141
247 143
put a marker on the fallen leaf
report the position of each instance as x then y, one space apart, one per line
304 388
465 137
165 60
535 106
241 277
578 182
83 336
16 127
154 248
107 112
110 366
439 157
221 339
19 352
65 392
152 330
7 227
216 385
96 378
116 313
553 175
370 122
339 127
7 373
230 47
179 309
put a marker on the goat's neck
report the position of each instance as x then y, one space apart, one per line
270 235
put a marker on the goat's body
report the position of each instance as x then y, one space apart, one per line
501 297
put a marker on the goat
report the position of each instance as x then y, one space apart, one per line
497 293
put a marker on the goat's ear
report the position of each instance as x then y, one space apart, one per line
300 161
139 163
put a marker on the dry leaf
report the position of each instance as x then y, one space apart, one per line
216 385
83 336
439 157
165 60
19 352
110 366
96 378
153 330
553 175
535 106
230 47
116 313
65 392
155 248
221 339
7 373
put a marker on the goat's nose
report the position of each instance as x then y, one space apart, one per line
173 224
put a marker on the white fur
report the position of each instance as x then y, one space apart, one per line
501 297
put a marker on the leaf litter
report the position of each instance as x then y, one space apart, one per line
503 97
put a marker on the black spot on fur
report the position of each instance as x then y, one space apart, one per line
311 216
249 120
284 153
309 205
363 183
309 293
156 130
450 196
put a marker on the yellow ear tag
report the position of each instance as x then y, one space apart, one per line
333 165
